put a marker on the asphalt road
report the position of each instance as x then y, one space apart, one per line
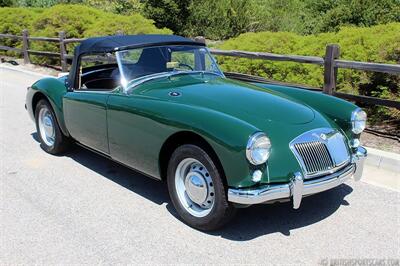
82 208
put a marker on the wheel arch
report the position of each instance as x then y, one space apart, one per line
51 90
36 98
186 137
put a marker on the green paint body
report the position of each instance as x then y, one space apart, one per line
132 127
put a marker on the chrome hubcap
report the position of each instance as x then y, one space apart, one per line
195 187
46 126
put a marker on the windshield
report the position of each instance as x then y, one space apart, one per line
153 62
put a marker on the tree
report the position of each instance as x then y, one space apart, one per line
172 14
221 19
4 3
331 15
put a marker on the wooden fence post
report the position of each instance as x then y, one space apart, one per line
330 71
63 52
25 46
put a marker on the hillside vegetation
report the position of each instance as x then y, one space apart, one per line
78 21
223 19
374 44
366 30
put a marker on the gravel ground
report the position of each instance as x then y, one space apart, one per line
81 208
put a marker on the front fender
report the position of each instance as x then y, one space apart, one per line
227 136
53 90
338 110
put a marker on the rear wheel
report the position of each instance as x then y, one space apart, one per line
51 138
197 190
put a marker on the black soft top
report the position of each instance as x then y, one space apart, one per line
107 44
121 42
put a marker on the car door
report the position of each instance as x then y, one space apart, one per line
85 107
86 118
135 133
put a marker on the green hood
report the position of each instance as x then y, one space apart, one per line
255 105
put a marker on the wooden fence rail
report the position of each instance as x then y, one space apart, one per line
330 62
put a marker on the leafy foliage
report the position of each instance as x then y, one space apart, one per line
359 44
76 20
115 6
222 19
14 21
5 3
171 14
301 27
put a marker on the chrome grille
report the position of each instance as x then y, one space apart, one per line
315 156
320 151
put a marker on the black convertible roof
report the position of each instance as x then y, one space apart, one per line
121 42
108 44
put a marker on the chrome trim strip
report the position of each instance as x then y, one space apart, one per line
298 187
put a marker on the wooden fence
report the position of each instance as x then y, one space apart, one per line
330 62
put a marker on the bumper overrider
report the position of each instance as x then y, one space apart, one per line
299 187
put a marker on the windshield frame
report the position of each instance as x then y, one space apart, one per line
129 85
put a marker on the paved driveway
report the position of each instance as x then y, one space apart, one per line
82 208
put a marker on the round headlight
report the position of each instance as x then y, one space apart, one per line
258 148
358 121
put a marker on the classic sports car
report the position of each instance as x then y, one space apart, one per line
160 104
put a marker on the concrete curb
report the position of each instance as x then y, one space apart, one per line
383 160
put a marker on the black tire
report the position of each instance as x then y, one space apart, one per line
61 142
221 212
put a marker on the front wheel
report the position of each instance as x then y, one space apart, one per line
51 138
196 189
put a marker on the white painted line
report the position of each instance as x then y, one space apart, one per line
18 69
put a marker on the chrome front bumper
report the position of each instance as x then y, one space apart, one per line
298 187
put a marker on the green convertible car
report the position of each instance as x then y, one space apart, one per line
160 104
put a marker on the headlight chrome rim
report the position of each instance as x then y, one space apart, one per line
250 146
358 125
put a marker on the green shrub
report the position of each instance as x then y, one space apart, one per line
14 20
77 21
132 24
379 44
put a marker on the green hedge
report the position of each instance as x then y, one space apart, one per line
379 44
78 21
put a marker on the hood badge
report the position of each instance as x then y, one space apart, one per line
174 94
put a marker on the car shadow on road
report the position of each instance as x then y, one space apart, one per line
248 224
281 218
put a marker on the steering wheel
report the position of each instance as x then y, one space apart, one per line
186 65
